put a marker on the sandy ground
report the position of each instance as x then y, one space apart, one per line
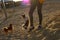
50 26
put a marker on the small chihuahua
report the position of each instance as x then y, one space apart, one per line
26 22
8 29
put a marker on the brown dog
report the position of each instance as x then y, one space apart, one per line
8 29
26 22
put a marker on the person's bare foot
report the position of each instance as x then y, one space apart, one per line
39 27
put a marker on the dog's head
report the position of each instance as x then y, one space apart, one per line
10 25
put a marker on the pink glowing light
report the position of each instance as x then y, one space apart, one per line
26 2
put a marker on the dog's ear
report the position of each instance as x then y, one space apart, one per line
10 25
23 16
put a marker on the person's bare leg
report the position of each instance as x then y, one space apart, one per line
39 9
32 8
31 15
